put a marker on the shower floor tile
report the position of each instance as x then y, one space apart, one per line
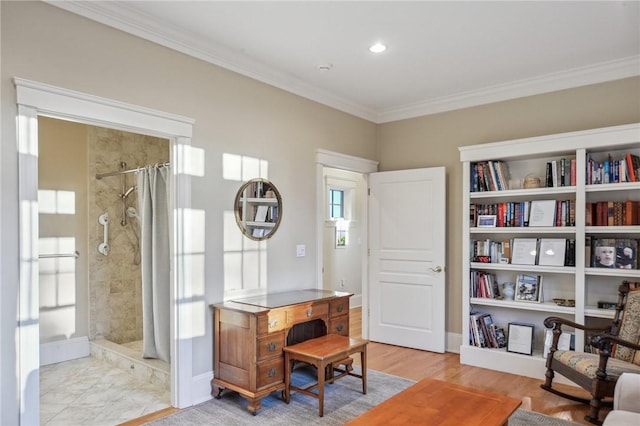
90 391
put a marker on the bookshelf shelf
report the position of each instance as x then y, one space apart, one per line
581 283
524 268
525 230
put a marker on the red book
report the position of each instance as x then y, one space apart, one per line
572 179
630 170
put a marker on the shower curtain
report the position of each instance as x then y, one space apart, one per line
154 247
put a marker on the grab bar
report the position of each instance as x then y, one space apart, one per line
75 255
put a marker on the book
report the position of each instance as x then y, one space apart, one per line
261 213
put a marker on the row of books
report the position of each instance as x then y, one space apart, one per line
614 253
626 169
489 176
526 288
525 251
524 213
561 173
613 213
484 333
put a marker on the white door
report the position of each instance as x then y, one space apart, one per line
407 226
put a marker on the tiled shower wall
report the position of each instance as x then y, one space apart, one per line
115 293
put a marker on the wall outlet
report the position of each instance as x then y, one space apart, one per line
342 283
300 250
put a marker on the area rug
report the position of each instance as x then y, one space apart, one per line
343 401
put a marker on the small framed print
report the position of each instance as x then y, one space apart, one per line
341 238
520 338
486 221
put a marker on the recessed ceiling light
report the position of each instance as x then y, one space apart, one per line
377 48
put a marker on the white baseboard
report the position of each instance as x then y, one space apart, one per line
201 387
64 350
454 341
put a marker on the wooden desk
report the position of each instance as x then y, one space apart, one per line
249 335
435 402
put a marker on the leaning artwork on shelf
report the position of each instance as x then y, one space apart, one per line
626 254
529 288
552 251
520 338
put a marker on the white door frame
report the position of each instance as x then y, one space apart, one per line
354 164
36 99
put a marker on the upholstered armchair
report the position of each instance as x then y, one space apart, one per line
617 347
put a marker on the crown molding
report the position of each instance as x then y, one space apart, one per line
593 74
124 18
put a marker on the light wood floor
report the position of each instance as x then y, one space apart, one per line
415 364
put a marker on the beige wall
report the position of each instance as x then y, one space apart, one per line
434 140
63 282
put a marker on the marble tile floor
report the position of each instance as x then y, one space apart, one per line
90 391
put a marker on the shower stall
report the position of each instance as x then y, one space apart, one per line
115 274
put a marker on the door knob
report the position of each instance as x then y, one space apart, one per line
437 269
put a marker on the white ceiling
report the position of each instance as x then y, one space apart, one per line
441 55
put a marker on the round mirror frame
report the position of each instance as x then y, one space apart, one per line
260 206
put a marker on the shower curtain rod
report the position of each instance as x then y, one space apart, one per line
121 172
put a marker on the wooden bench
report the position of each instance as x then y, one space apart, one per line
325 353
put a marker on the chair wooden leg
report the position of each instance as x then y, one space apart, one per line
321 377
594 411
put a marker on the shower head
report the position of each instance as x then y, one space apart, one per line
129 191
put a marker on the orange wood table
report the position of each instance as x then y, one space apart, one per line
434 402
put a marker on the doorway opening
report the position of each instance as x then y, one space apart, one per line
36 100
339 241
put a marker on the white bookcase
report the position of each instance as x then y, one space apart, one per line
582 283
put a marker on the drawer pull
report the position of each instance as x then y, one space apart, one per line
272 347
272 372
273 324
340 308
340 327
309 313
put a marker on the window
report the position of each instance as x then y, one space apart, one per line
336 204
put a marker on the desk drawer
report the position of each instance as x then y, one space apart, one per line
307 312
274 320
270 372
270 345
339 325
339 307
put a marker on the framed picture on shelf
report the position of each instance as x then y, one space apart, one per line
520 338
529 288
552 251
542 213
486 221
524 251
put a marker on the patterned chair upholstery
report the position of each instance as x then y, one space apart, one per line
618 347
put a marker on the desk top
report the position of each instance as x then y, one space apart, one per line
279 300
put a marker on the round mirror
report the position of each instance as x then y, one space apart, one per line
258 208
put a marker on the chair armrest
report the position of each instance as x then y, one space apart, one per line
627 393
604 341
557 323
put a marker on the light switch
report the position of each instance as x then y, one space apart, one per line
300 250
